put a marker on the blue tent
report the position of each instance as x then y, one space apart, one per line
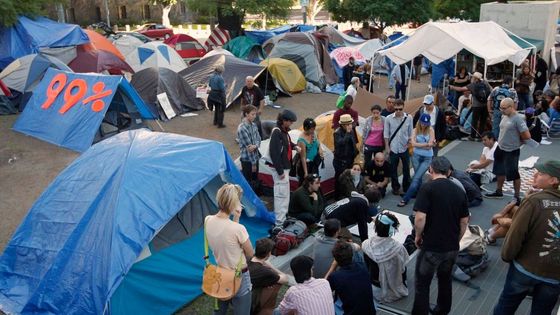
261 36
28 36
76 127
120 230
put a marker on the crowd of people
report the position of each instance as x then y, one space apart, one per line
347 277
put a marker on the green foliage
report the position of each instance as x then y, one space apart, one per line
273 9
164 3
10 9
381 13
461 9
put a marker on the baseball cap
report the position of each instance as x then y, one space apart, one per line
530 110
550 167
429 99
425 119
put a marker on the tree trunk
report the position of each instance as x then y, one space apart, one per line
315 7
264 21
165 15
60 13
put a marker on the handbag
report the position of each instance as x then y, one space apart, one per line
217 281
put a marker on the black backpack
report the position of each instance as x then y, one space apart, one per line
481 92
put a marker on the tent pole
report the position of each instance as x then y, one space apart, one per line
513 76
371 73
409 82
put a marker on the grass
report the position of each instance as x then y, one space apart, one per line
205 304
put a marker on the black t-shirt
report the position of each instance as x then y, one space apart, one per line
351 211
351 284
262 276
444 204
378 173
385 112
252 96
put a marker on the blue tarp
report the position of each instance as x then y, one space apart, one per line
439 70
74 129
85 232
261 36
27 36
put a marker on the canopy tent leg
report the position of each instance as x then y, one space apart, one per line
485 69
409 81
513 76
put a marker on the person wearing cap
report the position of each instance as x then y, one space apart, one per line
480 90
513 130
345 150
217 96
386 258
397 132
280 147
531 246
441 218
423 142
307 202
310 296
345 110
437 120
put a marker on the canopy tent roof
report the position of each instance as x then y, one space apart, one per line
439 41
527 43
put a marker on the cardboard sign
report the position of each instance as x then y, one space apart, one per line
166 105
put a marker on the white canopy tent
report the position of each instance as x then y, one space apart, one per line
439 41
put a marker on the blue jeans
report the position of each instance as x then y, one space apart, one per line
517 286
241 302
523 101
400 89
394 160
420 164
496 118
428 263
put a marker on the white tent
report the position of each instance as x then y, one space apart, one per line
439 41
155 54
127 43
217 51
369 48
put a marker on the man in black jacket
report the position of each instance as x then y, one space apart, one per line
280 147
437 119
345 150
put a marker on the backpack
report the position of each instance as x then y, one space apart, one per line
501 93
292 234
340 100
481 92
472 265
473 259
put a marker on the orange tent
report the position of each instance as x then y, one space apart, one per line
99 42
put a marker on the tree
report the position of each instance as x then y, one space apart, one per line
462 9
165 6
10 9
315 6
381 13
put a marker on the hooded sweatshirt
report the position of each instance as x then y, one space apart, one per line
391 258
533 238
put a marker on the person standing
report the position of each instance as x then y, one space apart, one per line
441 218
251 94
249 141
423 141
496 96
231 245
352 89
373 135
310 150
281 160
541 75
345 150
346 110
400 73
523 87
437 120
397 132
531 247
417 62
348 72
217 96
480 90
389 106
513 130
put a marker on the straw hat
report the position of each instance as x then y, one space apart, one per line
345 119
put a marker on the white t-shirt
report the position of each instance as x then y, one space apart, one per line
225 239
351 90
489 154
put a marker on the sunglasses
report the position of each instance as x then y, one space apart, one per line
399 109
504 108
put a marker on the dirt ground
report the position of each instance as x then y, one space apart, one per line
29 165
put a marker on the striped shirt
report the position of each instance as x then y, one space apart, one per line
247 134
400 141
312 297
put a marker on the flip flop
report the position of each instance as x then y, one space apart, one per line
401 204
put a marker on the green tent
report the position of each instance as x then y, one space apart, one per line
527 43
245 48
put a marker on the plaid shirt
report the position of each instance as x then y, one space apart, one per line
247 134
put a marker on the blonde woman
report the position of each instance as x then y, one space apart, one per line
423 141
231 245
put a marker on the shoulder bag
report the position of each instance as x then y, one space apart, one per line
219 282
396 131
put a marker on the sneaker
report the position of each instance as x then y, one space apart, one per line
494 195
517 200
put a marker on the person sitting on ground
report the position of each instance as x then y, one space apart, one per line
355 209
480 171
350 282
307 202
378 173
265 278
501 222
309 296
351 180
465 118
474 195
387 259
466 96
